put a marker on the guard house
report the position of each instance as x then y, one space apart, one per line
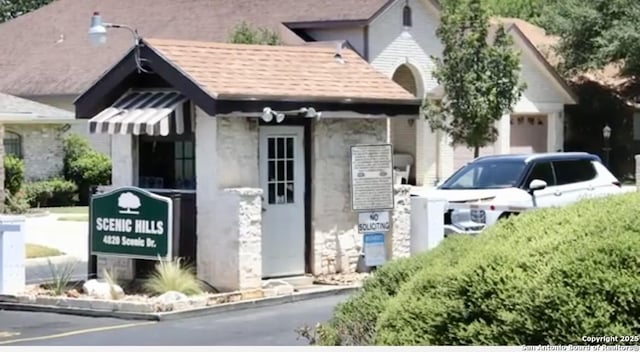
256 139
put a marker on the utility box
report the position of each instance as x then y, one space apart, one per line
12 255
427 223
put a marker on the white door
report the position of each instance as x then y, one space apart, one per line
282 179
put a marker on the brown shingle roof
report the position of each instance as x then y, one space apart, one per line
32 62
545 44
236 70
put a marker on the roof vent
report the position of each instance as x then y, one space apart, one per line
338 56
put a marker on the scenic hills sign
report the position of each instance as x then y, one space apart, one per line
131 222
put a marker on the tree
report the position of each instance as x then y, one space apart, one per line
595 33
244 33
480 76
13 8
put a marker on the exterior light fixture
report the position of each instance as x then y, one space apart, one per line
98 36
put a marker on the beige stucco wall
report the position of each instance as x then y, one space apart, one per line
41 149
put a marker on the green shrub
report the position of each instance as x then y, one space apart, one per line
17 203
13 174
51 193
173 276
354 321
84 166
544 277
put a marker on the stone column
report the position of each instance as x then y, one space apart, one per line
235 250
399 238
123 167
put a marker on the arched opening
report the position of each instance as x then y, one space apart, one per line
12 144
403 131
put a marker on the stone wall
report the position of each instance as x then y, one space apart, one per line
238 240
399 238
41 148
336 242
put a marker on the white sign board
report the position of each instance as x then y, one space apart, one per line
374 253
377 221
371 177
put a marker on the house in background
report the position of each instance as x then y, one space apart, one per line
34 133
397 37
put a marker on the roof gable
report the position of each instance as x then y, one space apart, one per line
210 72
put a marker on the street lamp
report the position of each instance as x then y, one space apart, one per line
606 135
98 36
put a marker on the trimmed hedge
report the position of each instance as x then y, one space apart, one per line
544 277
354 322
51 193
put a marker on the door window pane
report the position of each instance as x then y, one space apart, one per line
573 171
280 170
541 171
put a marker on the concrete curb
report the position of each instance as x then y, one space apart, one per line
191 313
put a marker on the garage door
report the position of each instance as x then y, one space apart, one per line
528 134
463 155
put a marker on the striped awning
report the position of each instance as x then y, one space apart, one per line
142 112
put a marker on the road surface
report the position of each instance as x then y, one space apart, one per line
271 326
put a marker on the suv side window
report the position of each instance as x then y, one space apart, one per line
541 171
573 171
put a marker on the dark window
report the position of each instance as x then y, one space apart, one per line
12 144
406 15
541 171
572 171
184 165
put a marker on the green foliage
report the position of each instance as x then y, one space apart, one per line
595 33
17 203
60 276
354 321
13 173
84 166
244 33
13 8
541 278
480 76
173 276
51 193
528 10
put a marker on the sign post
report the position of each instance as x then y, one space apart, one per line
372 197
131 222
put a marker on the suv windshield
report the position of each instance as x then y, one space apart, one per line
486 174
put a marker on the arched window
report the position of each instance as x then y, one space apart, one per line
406 15
12 144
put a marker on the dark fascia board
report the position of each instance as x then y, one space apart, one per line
87 103
238 107
109 80
326 24
312 99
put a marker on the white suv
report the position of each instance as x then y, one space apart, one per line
529 180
